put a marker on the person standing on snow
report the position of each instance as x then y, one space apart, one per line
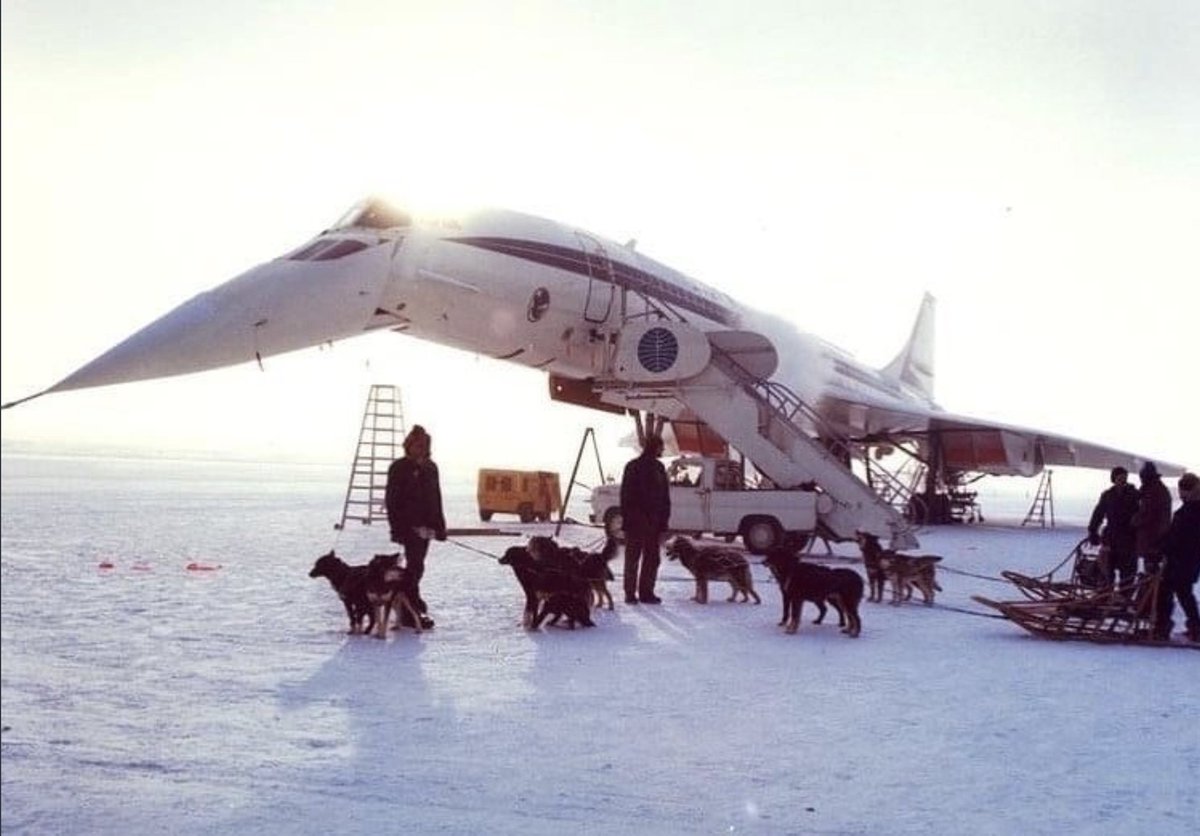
1117 506
414 508
1153 517
1181 548
645 513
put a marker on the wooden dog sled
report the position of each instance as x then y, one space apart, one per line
1086 575
1083 606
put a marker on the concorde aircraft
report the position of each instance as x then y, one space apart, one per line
590 312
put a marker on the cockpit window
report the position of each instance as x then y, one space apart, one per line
339 249
305 253
327 249
373 214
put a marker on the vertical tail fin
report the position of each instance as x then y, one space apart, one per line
914 364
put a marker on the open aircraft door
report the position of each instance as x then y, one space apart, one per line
601 287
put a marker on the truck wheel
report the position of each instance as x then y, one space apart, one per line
613 522
525 512
485 515
761 534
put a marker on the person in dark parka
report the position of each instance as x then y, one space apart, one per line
645 513
1153 516
1181 549
1115 511
414 508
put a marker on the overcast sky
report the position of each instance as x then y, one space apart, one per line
1036 166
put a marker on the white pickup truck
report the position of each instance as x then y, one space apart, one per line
710 496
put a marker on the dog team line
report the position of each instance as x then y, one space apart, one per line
565 583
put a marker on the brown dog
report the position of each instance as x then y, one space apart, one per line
592 566
715 564
563 604
908 572
542 581
799 582
385 588
872 554
905 571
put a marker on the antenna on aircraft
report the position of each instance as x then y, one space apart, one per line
631 244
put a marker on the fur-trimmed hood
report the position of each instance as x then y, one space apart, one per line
1189 487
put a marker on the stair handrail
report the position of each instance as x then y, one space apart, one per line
787 404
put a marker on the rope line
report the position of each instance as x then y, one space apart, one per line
953 571
463 545
969 612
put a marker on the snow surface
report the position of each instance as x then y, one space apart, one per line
149 698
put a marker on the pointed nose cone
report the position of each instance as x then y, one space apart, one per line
188 339
276 307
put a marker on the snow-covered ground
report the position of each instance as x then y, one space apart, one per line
150 698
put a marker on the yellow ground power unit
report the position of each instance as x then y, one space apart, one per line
530 494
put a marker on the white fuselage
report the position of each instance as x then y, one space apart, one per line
542 294
533 291
500 283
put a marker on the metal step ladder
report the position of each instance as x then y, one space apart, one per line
380 442
1042 500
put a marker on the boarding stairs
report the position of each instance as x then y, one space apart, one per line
380 442
784 449
784 437
897 487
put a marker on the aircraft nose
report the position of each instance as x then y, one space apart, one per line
176 343
279 306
